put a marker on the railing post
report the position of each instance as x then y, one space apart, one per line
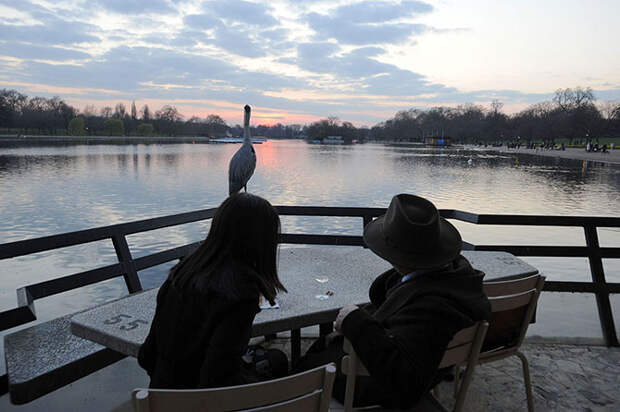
598 278
124 257
367 220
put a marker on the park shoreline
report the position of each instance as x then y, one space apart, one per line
611 157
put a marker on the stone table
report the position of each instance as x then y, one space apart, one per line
320 281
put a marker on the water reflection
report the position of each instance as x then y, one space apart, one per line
54 189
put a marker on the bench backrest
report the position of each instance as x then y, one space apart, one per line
306 391
513 303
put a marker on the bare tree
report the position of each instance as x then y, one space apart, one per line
609 109
167 117
496 106
134 112
145 112
106 112
12 104
89 110
119 111
570 99
168 113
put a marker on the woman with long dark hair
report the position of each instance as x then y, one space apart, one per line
206 306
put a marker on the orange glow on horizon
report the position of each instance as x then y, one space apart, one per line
232 113
378 108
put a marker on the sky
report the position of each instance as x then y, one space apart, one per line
299 61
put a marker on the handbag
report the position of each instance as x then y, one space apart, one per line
265 363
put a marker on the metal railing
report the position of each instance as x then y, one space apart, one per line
128 267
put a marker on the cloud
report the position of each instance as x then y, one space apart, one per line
52 30
124 68
360 68
253 14
369 22
204 21
186 38
379 11
237 42
139 71
137 6
608 94
59 32
233 39
27 51
317 57
327 55
347 32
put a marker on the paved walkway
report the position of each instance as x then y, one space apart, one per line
564 378
570 153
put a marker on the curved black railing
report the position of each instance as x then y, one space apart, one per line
128 267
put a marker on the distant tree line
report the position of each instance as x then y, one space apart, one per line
17 111
573 114
21 114
332 126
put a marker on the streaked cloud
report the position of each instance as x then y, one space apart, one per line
310 59
136 6
347 32
52 32
239 11
29 51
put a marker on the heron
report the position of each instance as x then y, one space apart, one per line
243 162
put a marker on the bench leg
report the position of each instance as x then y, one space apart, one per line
326 328
295 346
527 382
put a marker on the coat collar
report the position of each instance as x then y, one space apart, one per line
441 281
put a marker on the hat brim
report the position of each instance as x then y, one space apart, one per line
447 248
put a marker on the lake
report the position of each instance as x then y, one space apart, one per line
48 190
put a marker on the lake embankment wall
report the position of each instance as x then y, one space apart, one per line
612 156
25 139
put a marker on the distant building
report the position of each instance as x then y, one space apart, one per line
437 141
333 140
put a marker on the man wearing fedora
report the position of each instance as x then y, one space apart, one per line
415 308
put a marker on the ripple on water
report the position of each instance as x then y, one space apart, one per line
55 189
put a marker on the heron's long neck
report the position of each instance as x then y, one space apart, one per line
247 137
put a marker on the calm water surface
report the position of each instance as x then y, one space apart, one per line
50 190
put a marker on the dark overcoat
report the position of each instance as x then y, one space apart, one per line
198 335
402 335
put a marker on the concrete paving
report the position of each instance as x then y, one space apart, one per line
564 378
612 157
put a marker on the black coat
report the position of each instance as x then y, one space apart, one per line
402 335
197 337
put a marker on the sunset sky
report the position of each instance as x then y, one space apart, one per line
298 61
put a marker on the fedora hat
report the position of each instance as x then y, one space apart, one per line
413 235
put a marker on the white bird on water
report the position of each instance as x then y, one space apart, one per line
243 162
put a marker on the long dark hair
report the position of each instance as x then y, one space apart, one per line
244 231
